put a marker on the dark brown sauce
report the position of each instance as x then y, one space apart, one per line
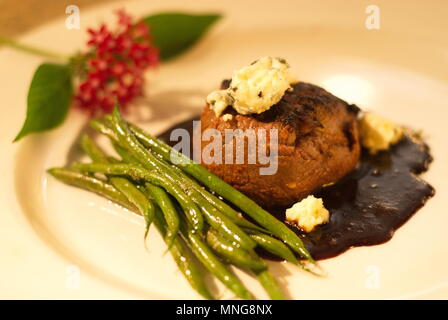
369 204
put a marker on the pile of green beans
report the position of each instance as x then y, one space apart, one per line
182 201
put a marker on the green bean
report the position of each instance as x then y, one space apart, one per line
219 204
124 154
92 150
216 219
113 160
271 286
220 222
264 218
236 255
223 207
235 216
225 226
138 173
161 147
159 195
246 260
183 259
279 249
80 180
273 246
214 265
137 198
215 201
213 216
127 140
169 211
99 126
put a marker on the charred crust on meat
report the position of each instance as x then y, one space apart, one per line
308 94
225 84
348 132
353 108
298 109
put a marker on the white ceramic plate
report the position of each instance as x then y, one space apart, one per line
60 242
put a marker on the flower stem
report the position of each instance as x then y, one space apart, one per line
33 50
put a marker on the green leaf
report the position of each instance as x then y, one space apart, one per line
173 33
48 100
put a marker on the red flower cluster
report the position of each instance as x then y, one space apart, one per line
115 65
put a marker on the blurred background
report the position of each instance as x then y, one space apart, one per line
17 17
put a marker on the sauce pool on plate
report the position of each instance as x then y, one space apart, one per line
369 204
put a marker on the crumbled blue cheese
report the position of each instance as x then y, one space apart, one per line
254 88
219 100
378 133
308 213
227 117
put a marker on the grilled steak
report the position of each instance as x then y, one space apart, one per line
318 144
